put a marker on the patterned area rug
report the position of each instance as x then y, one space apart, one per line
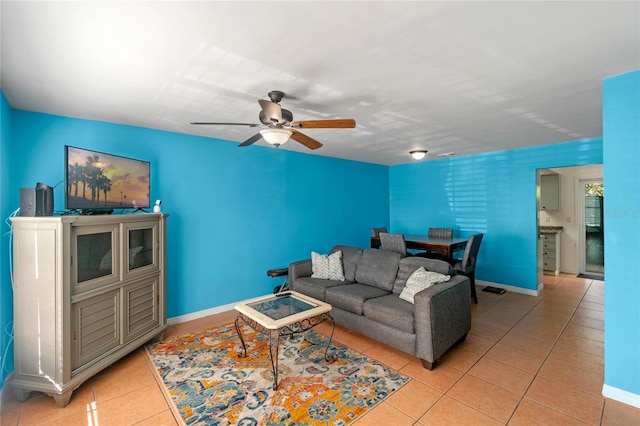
210 385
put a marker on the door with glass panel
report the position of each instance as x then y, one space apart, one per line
592 233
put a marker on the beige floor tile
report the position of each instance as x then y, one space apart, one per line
528 343
591 305
593 299
118 381
82 417
573 286
358 342
42 408
584 360
515 357
459 358
553 312
384 415
447 411
414 398
619 414
573 376
164 418
582 344
503 375
441 378
590 313
587 322
583 406
531 413
389 356
586 332
540 327
476 344
132 407
486 397
488 329
563 299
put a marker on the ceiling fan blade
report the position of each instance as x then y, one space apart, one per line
201 123
305 140
272 110
251 140
340 123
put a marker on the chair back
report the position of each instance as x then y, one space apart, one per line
441 232
375 232
393 242
471 250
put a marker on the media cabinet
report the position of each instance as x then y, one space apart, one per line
87 290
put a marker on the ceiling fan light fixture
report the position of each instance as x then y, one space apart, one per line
418 154
276 137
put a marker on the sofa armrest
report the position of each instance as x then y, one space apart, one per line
301 268
442 317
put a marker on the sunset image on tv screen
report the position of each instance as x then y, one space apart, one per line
99 180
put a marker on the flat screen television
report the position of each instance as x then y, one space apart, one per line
97 181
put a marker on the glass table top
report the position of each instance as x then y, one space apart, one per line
278 307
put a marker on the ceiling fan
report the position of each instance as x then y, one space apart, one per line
278 124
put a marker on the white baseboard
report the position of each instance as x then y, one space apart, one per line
508 288
621 396
200 314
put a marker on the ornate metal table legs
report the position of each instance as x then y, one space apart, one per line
276 334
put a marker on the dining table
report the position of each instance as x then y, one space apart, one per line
445 246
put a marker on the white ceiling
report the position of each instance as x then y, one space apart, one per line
463 77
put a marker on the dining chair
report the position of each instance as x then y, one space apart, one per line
436 233
393 242
441 232
375 232
467 265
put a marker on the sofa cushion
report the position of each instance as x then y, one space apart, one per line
328 267
408 266
315 287
420 280
350 258
351 297
392 311
378 268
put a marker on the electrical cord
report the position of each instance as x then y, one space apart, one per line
8 330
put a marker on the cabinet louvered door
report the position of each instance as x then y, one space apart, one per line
96 327
141 307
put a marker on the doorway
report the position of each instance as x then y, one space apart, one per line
570 218
592 227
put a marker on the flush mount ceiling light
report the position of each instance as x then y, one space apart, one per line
276 137
418 154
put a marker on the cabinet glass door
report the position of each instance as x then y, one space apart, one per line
94 260
141 245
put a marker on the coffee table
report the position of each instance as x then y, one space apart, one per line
279 315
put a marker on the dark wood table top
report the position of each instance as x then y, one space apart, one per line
444 246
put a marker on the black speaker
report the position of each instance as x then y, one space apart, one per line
44 200
27 201
36 201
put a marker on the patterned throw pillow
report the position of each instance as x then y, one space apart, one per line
327 267
420 280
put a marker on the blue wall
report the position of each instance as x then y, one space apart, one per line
621 120
493 194
6 294
234 213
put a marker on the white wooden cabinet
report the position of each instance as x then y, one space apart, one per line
551 252
550 192
87 290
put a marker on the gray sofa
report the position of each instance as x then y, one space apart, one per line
368 301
